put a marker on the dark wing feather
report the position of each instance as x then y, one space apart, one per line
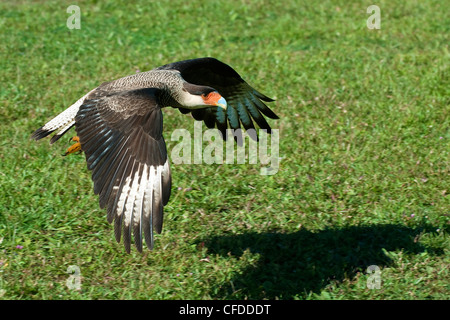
121 135
245 104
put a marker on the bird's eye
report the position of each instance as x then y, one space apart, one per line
206 95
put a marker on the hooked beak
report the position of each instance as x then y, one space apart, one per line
222 103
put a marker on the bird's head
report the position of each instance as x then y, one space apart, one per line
213 98
196 97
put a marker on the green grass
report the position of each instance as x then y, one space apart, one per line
364 142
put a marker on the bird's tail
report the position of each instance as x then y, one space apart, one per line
62 122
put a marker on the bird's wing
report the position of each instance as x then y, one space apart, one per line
244 104
121 135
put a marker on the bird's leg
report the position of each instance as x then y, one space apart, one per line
75 147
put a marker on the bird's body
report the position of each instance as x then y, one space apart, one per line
119 125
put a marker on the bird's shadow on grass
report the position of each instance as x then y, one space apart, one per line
295 264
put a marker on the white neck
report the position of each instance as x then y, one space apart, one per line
192 101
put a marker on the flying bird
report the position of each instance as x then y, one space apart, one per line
119 128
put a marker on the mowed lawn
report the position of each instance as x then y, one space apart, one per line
359 207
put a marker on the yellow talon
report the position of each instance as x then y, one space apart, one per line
75 147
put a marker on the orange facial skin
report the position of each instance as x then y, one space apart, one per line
213 98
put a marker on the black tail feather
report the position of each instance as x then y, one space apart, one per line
40 133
